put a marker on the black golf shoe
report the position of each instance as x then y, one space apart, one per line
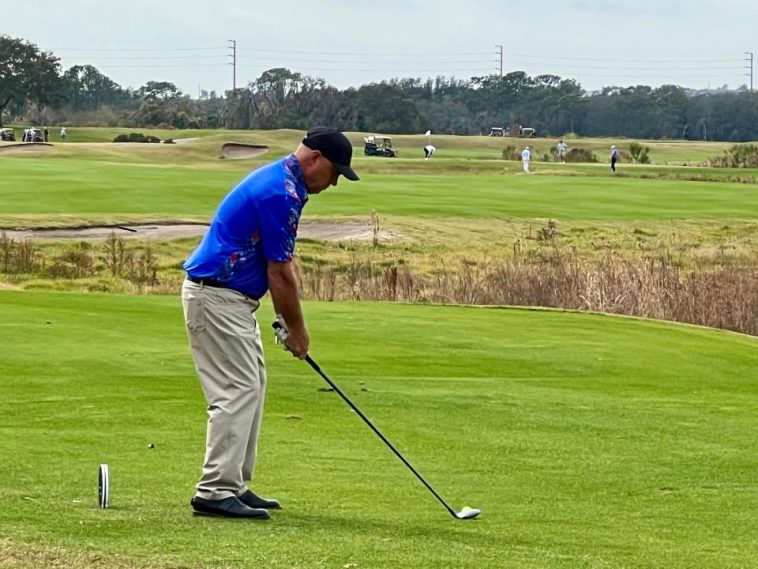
253 501
229 507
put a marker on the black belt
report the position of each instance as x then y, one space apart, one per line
205 281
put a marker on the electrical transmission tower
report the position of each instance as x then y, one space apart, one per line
500 52
749 67
233 63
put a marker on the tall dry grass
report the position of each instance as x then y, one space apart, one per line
137 266
717 296
719 293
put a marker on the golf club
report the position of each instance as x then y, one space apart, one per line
465 514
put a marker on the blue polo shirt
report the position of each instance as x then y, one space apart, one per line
255 223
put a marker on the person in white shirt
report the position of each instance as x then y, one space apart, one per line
561 149
428 151
526 155
63 133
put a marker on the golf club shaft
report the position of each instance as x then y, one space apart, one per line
366 420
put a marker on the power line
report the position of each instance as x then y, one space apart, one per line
161 49
144 58
151 66
654 69
220 60
436 54
482 70
543 57
339 62
646 75
440 62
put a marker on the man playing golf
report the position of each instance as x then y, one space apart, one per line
246 252
526 156
614 157
561 149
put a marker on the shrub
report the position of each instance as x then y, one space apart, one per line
18 257
738 156
136 137
549 232
639 153
510 153
115 256
580 155
74 263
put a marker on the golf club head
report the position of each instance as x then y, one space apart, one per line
468 513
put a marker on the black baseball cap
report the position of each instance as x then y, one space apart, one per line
335 146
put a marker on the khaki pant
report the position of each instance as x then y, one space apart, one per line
226 346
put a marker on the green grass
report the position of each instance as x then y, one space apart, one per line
587 441
97 188
410 146
471 206
566 198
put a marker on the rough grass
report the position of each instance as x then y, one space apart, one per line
14 555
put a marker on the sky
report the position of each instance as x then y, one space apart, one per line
696 44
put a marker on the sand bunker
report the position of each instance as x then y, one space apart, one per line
176 231
236 150
25 147
315 229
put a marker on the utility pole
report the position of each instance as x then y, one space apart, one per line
749 67
500 47
233 55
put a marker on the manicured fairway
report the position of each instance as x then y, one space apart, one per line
100 189
587 441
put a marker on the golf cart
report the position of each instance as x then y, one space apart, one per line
7 134
497 131
378 146
521 131
34 135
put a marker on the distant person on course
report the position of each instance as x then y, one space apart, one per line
526 156
247 252
614 158
63 134
561 151
428 151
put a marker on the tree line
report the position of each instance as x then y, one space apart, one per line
34 88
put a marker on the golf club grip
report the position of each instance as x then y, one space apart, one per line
366 420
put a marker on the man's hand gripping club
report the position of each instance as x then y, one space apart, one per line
282 336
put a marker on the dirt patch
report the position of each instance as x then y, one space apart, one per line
25 147
237 150
313 229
